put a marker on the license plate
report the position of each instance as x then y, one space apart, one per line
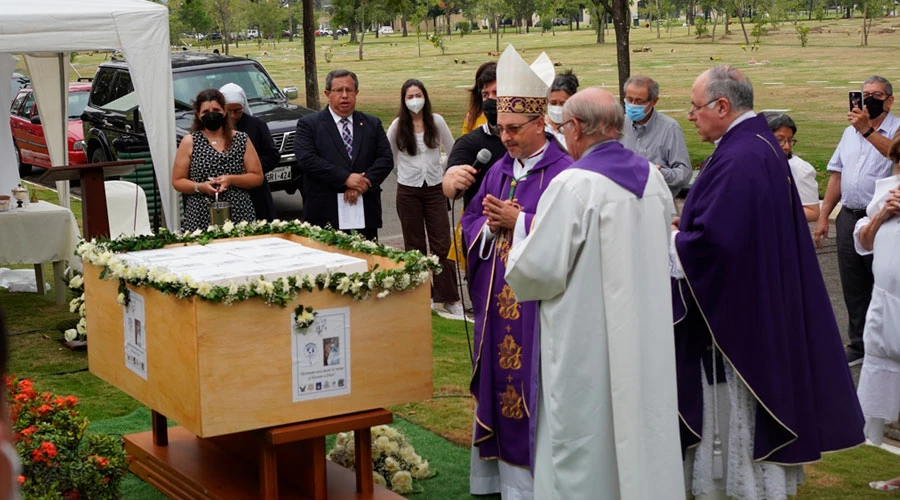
279 174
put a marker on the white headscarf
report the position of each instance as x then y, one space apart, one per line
234 94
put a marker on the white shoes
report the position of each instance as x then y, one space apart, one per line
450 310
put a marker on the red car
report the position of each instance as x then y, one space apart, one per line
28 134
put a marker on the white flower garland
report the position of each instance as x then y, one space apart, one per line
380 282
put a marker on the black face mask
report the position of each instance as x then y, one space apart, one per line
212 121
489 108
874 106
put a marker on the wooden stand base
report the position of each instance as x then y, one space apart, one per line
243 466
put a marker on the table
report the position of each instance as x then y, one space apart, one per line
37 233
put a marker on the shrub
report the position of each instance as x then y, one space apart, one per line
60 461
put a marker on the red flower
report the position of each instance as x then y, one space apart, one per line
73 495
21 398
49 448
44 409
102 462
37 457
21 480
71 401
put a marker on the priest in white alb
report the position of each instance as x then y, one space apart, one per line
597 260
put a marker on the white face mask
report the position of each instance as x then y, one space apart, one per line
555 113
415 105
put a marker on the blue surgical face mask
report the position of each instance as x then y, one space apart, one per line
635 112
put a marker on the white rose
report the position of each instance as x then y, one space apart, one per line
383 294
401 482
204 289
388 282
74 304
76 282
423 276
391 464
120 299
70 334
81 326
421 471
233 289
408 454
379 479
344 285
81 309
356 286
242 224
197 233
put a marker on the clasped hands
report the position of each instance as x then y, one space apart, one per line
215 184
891 206
357 184
501 214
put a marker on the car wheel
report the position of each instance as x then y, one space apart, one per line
98 156
24 168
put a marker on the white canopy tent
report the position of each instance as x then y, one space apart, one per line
46 32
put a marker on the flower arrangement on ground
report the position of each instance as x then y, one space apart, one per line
395 462
60 460
76 305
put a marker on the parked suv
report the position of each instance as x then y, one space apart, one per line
112 121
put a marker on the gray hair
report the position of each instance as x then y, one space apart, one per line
888 88
726 81
598 119
778 120
646 82
340 73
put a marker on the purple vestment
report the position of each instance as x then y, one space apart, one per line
620 165
753 287
505 344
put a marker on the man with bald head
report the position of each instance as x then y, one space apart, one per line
763 385
597 254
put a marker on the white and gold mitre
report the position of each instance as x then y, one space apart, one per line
522 89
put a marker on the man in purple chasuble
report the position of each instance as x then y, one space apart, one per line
763 384
503 378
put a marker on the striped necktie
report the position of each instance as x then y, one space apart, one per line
347 136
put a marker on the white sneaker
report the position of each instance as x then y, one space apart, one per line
451 310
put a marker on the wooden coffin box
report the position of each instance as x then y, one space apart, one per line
217 369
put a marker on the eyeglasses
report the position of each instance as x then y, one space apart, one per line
342 90
695 107
637 102
877 95
785 142
562 126
514 129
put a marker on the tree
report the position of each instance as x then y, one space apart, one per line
309 55
188 15
492 10
221 11
621 16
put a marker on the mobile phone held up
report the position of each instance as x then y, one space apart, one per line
856 100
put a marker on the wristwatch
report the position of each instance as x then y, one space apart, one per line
869 132
196 188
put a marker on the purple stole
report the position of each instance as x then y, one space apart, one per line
506 348
754 288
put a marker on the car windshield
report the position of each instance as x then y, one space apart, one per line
256 84
77 102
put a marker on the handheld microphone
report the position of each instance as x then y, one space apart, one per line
482 159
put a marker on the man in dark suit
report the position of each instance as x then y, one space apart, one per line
341 150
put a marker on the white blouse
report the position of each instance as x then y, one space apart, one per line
425 167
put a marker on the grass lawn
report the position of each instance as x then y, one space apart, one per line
810 83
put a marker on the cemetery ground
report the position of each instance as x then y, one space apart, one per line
810 83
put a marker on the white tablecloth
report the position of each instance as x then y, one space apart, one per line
39 232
